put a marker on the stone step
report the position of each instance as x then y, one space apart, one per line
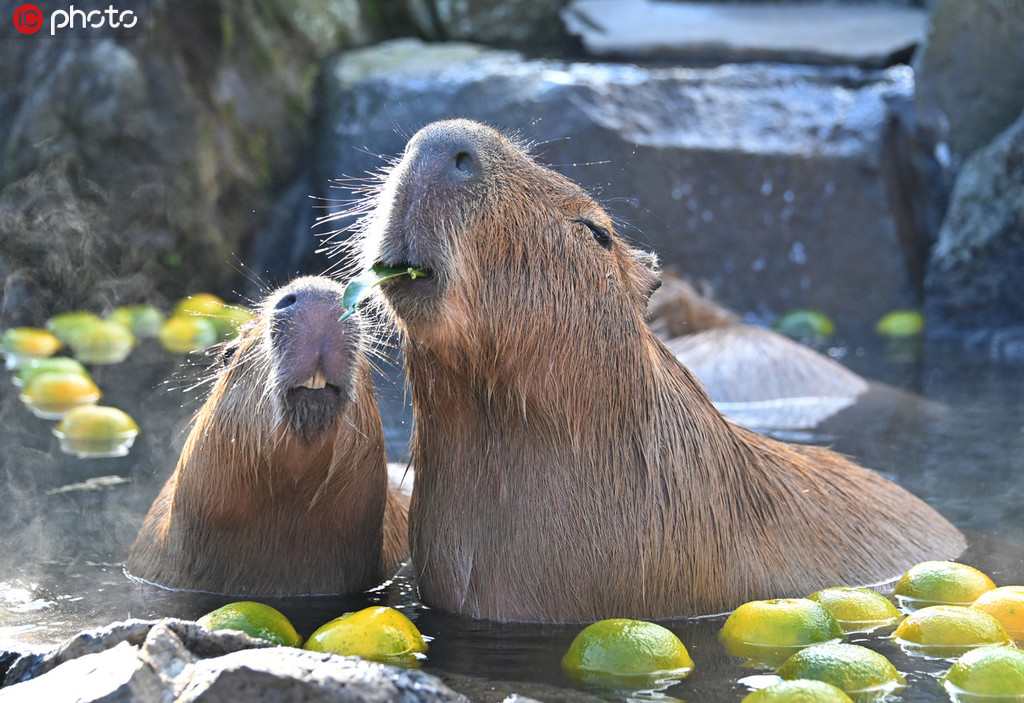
709 33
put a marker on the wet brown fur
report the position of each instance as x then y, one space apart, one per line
255 507
568 467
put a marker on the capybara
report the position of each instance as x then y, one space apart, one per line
568 467
282 486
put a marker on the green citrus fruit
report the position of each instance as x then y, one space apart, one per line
901 323
142 320
254 619
940 583
857 609
857 670
627 654
102 342
948 631
59 364
805 323
377 633
987 674
799 691
769 631
66 325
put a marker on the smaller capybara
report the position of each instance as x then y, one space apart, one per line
282 486
568 467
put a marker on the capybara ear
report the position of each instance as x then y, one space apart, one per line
648 279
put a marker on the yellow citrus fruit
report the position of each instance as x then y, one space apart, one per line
50 395
254 619
857 670
948 631
181 335
799 691
1005 604
198 304
988 674
377 633
102 342
142 320
66 325
857 609
59 364
627 654
769 631
25 343
96 431
941 583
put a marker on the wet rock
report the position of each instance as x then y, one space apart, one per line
970 86
709 33
773 184
176 660
974 276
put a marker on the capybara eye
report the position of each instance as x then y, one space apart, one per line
227 353
601 235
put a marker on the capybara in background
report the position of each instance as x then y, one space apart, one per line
281 488
568 467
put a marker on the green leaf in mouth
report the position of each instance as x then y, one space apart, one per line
360 288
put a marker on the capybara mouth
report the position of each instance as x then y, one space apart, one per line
313 406
408 293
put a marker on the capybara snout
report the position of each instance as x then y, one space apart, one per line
312 367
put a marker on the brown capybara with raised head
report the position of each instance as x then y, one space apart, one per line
568 467
281 488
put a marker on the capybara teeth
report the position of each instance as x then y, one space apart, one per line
315 382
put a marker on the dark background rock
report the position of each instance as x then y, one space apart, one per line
977 266
527 25
970 86
136 163
774 184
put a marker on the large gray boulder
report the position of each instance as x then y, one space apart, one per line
776 185
976 268
970 86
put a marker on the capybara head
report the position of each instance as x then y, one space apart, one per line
503 239
294 368
281 487
568 467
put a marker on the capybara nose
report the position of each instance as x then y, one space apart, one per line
286 301
447 157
